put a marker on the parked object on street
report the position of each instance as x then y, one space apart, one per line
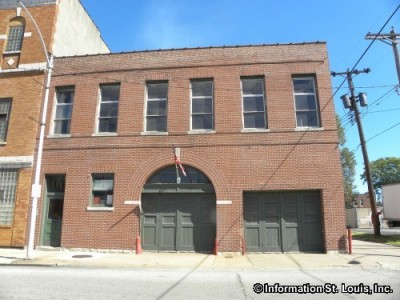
391 204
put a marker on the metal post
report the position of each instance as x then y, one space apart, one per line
36 187
350 240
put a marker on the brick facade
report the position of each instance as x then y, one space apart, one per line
22 78
25 89
281 158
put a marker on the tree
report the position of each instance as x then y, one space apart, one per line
384 171
348 167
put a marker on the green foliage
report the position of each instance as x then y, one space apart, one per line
384 171
348 167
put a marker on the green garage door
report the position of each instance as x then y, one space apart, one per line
178 222
283 221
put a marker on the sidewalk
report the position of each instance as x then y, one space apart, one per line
365 254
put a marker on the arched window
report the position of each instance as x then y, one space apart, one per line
168 175
15 35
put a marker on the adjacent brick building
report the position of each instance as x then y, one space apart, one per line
22 70
253 126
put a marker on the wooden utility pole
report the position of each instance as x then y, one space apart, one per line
393 37
354 107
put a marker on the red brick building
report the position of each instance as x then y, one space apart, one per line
254 128
22 76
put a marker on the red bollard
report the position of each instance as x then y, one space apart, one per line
243 247
216 247
138 245
349 237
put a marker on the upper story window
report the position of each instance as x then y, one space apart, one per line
63 110
5 108
156 107
306 102
253 101
108 108
15 35
202 114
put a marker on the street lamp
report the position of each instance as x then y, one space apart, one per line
36 187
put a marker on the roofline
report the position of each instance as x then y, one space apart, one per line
194 48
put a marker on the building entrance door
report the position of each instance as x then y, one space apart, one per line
53 222
53 210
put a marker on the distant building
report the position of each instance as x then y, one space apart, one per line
362 200
67 30
254 126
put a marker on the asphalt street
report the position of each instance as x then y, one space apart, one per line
33 282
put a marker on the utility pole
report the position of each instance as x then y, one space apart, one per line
393 37
352 104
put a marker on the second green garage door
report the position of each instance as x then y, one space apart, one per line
178 222
283 221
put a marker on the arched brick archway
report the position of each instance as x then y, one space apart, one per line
159 161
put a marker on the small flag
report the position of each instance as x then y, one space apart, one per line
178 162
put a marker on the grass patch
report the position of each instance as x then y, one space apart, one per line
393 240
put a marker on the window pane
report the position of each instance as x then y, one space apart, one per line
156 108
63 111
8 183
254 120
253 104
303 85
307 119
103 189
109 109
202 122
61 126
65 96
305 102
252 86
202 88
5 105
156 124
202 105
109 93
157 90
108 125
15 37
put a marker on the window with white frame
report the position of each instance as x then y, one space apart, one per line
156 107
15 37
108 110
63 110
102 190
202 107
253 101
5 108
306 103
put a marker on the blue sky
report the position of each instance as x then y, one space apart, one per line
131 25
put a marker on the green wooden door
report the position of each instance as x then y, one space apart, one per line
282 221
178 222
53 221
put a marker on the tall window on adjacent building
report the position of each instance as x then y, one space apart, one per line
306 102
8 183
5 107
202 115
102 190
108 111
253 101
15 35
63 110
156 107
